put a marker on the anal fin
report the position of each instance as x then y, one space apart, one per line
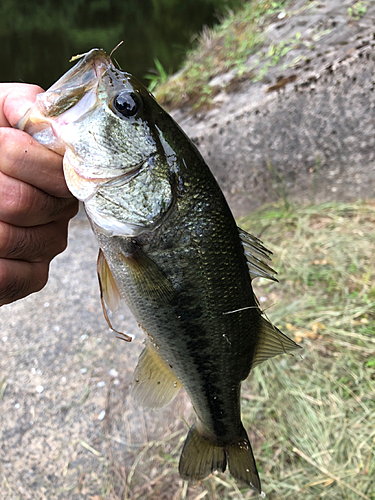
154 384
271 342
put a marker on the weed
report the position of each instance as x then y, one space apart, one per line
316 414
358 10
158 76
225 48
274 54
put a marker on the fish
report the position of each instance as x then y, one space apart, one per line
170 248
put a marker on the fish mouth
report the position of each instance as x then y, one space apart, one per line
78 84
85 88
74 84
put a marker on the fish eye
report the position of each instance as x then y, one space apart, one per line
127 103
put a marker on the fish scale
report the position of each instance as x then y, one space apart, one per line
170 248
205 333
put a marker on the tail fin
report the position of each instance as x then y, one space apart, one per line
201 456
241 462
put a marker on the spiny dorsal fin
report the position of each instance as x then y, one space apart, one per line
257 256
271 342
154 384
147 276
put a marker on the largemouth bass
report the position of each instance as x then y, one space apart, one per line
169 246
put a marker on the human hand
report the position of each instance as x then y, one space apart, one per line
35 203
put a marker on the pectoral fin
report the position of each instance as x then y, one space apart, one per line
148 278
109 293
271 342
109 290
154 384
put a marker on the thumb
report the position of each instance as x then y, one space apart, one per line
15 100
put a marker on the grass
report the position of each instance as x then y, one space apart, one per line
311 417
314 416
240 50
357 10
224 48
226 51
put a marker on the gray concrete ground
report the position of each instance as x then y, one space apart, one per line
66 413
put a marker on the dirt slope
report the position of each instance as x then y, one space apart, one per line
305 131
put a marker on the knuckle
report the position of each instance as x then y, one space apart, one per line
30 245
72 209
17 280
54 206
12 148
5 238
17 198
21 243
61 208
46 242
33 244
60 244
12 287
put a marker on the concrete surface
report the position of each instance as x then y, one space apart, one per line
60 370
311 139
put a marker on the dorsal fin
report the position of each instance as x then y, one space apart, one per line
271 342
257 256
154 383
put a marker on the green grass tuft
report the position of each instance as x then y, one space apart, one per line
224 48
313 416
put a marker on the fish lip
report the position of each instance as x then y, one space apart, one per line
83 77
96 58
78 81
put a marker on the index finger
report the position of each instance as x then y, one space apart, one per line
15 100
22 157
